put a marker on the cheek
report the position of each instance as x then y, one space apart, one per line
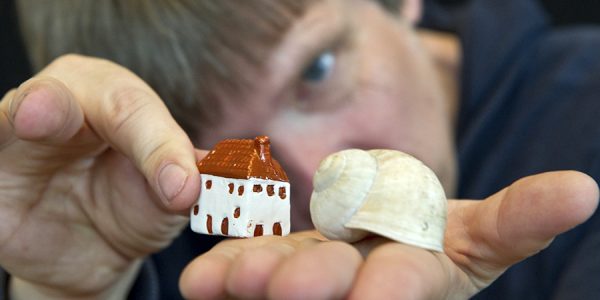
397 102
390 111
388 118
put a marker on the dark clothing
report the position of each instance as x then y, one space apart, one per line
529 103
14 68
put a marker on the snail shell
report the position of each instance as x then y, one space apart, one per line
383 192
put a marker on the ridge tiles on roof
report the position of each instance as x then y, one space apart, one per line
242 159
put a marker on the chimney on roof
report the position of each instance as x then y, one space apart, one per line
261 144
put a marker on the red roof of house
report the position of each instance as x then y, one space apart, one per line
242 159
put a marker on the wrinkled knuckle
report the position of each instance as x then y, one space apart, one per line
8 95
152 152
43 81
125 108
6 129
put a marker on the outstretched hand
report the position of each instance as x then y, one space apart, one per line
92 167
482 239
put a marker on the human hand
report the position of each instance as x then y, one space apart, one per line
482 239
82 146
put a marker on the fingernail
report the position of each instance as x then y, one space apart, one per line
171 180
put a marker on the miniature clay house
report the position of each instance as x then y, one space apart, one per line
245 192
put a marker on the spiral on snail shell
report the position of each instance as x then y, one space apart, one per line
383 192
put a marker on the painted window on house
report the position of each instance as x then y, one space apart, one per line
225 226
277 228
209 223
282 192
258 230
270 190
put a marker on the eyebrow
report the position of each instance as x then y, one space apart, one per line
240 41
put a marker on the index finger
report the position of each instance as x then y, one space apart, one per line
241 267
125 112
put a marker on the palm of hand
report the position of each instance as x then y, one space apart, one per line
87 210
82 146
482 239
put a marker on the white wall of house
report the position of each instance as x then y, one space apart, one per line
256 208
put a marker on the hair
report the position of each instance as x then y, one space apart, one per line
188 51
391 5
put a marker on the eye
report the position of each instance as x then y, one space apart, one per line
320 68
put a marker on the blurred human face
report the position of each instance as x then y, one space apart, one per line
347 75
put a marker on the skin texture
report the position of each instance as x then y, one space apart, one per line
80 199
384 92
82 145
373 97
480 243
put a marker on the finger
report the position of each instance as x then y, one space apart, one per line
250 273
398 271
205 276
517 222
200 154
136 122
534 210
324 271
6 131
43 127
212 275
44 110
184 210
209 276
126 113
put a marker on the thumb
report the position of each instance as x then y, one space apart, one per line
522 219
42 127
43 109
536 209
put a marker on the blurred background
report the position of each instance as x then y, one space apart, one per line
561 12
